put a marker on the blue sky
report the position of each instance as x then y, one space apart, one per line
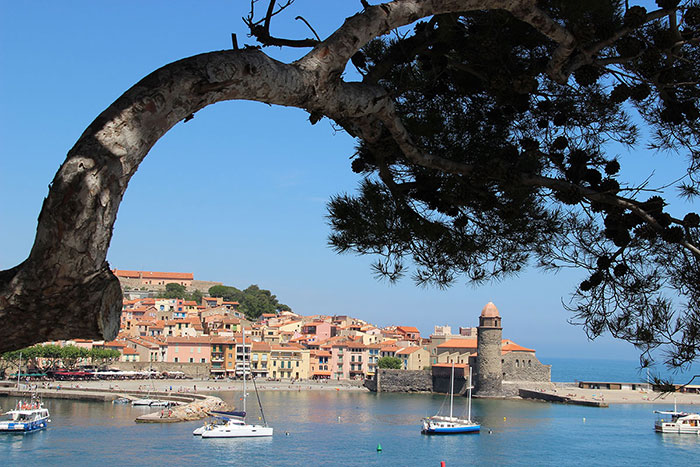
237 194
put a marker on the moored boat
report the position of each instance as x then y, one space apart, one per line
26 418
236 427
143 402
233 424
449 425
677 422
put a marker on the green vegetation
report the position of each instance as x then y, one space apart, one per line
504 155
48 357
174 290
253 301
392 363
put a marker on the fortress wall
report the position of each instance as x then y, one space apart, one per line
527 368
403 381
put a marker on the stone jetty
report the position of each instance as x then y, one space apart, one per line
551 397
194 406
195 410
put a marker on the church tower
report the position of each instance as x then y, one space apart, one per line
489 365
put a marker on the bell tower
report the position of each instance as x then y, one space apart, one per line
489 365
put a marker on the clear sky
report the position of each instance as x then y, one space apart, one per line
239 193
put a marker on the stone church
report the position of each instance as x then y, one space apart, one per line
498 365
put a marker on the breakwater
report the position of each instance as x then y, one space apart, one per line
550 397
195 406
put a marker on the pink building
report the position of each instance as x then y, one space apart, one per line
188 349
321 329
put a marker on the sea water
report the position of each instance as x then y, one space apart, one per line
581 369
345 428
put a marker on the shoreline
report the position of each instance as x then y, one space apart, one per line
107 390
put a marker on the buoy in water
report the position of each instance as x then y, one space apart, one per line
379 448
286 433
584 419
504 419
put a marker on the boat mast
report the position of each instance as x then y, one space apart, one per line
259 403
469 413
19 369
452 387
244 388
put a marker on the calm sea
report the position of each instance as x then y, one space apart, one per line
572 369
335 428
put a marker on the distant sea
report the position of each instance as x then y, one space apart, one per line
579 369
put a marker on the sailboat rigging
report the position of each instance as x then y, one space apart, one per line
234 424
440 424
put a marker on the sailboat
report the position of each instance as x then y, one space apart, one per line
440 424
234 424
147 401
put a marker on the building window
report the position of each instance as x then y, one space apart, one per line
175 359
204 360
191 360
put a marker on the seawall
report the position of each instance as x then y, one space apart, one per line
549 397
387 380
196 406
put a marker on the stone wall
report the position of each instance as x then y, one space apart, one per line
403 381
191 370
524 366
488 375
135 284
441 385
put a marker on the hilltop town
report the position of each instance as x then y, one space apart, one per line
206 339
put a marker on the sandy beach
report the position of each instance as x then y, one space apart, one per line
627 396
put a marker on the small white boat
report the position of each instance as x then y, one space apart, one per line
449 425
144 402
161 403
677 422
26 418
236 428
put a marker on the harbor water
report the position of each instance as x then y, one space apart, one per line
345 428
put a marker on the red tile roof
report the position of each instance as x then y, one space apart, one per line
458 344
153 274
449 365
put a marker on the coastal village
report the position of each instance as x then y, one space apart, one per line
206 340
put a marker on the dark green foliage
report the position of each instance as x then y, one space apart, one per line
253 301
50 356
174 290
537 184
392 363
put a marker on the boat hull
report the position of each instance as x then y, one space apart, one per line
451 430
23 427
677 428
247 431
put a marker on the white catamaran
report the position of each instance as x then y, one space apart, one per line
233 424
440 424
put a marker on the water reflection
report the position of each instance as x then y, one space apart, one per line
344 428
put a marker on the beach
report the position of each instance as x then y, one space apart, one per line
188 386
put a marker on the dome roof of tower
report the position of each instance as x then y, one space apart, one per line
490 311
